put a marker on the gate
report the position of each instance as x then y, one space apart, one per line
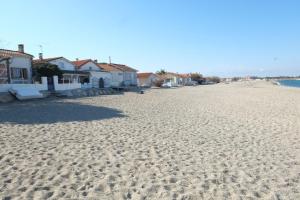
50 83
101 83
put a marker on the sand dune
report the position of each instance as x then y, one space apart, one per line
234 141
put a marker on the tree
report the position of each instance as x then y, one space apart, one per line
213 79
46 70
197 77
161 72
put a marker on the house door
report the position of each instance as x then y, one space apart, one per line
101 83
50 83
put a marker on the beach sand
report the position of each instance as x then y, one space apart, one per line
224 141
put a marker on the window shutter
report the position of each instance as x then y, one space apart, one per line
25 74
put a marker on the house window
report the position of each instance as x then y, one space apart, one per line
19 73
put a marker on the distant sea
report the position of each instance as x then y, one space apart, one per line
290 83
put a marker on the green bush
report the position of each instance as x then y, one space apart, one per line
46 70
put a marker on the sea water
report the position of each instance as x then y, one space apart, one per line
290 83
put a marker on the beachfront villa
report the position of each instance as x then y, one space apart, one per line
147 79
70 73
170 79
116 74
15 66
122 75
186 79
98 77
130 74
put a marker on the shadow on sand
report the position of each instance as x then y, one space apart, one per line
53 111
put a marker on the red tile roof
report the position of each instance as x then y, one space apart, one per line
124 68
79 63
168 75
11 53
116 67
144 75
108 67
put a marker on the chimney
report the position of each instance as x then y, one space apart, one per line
41 56
21 48
96 61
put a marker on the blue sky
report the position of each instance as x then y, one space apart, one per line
224 37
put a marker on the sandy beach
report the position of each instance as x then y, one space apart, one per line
224 141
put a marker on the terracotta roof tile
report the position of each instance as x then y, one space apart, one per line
11 53
168 75
185 75
108 67
144 75
124 68
79 63
116 67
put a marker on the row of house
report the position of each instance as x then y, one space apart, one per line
168 79
91 72
17 67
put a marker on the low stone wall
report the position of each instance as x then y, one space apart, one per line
85 92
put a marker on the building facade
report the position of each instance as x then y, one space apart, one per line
15 66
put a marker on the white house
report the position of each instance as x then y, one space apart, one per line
170 79
117 77
147 79
15 66
98 76
122 75
186 79
69 70
16 74
129 74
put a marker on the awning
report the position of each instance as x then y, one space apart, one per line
75 72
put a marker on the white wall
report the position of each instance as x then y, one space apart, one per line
22 62
134 78
67 86
130 78
173 82
95 76
117 78
63 64
40 87
90 66
148 82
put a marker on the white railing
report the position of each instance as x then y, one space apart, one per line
64 86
